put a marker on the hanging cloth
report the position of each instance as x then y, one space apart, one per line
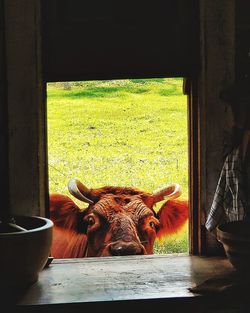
230 200
246 170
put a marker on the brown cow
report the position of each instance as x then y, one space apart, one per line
118 221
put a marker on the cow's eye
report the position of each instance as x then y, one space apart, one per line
90 220
152 224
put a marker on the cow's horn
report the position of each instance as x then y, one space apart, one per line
77 189
170 191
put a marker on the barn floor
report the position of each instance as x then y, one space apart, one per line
131 284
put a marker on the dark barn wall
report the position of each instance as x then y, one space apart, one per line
210 62
217 70
242 37
4 160
105 40
226 59
25 106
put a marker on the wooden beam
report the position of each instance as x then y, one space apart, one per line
4 135
84 40
26 108
217 30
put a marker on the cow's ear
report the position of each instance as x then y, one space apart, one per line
172 216
82 225
63 211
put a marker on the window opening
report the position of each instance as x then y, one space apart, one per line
128 133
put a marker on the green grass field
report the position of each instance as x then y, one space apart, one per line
120 132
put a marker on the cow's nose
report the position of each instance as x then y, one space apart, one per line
124 248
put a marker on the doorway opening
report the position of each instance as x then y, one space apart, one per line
130 132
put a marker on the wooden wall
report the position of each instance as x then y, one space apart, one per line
85 40
242 36
4 161
24 103
218 70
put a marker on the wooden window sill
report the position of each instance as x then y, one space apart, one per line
117 283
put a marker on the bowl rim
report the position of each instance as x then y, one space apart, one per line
225 234
48 224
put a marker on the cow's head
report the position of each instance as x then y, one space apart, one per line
122 221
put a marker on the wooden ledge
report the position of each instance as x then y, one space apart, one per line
116 283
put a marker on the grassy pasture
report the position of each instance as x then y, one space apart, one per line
120 132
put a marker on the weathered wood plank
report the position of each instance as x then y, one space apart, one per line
4 142
25 90
122 278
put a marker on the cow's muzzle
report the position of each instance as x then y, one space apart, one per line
126 248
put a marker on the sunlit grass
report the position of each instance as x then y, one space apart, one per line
174 243
124 133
